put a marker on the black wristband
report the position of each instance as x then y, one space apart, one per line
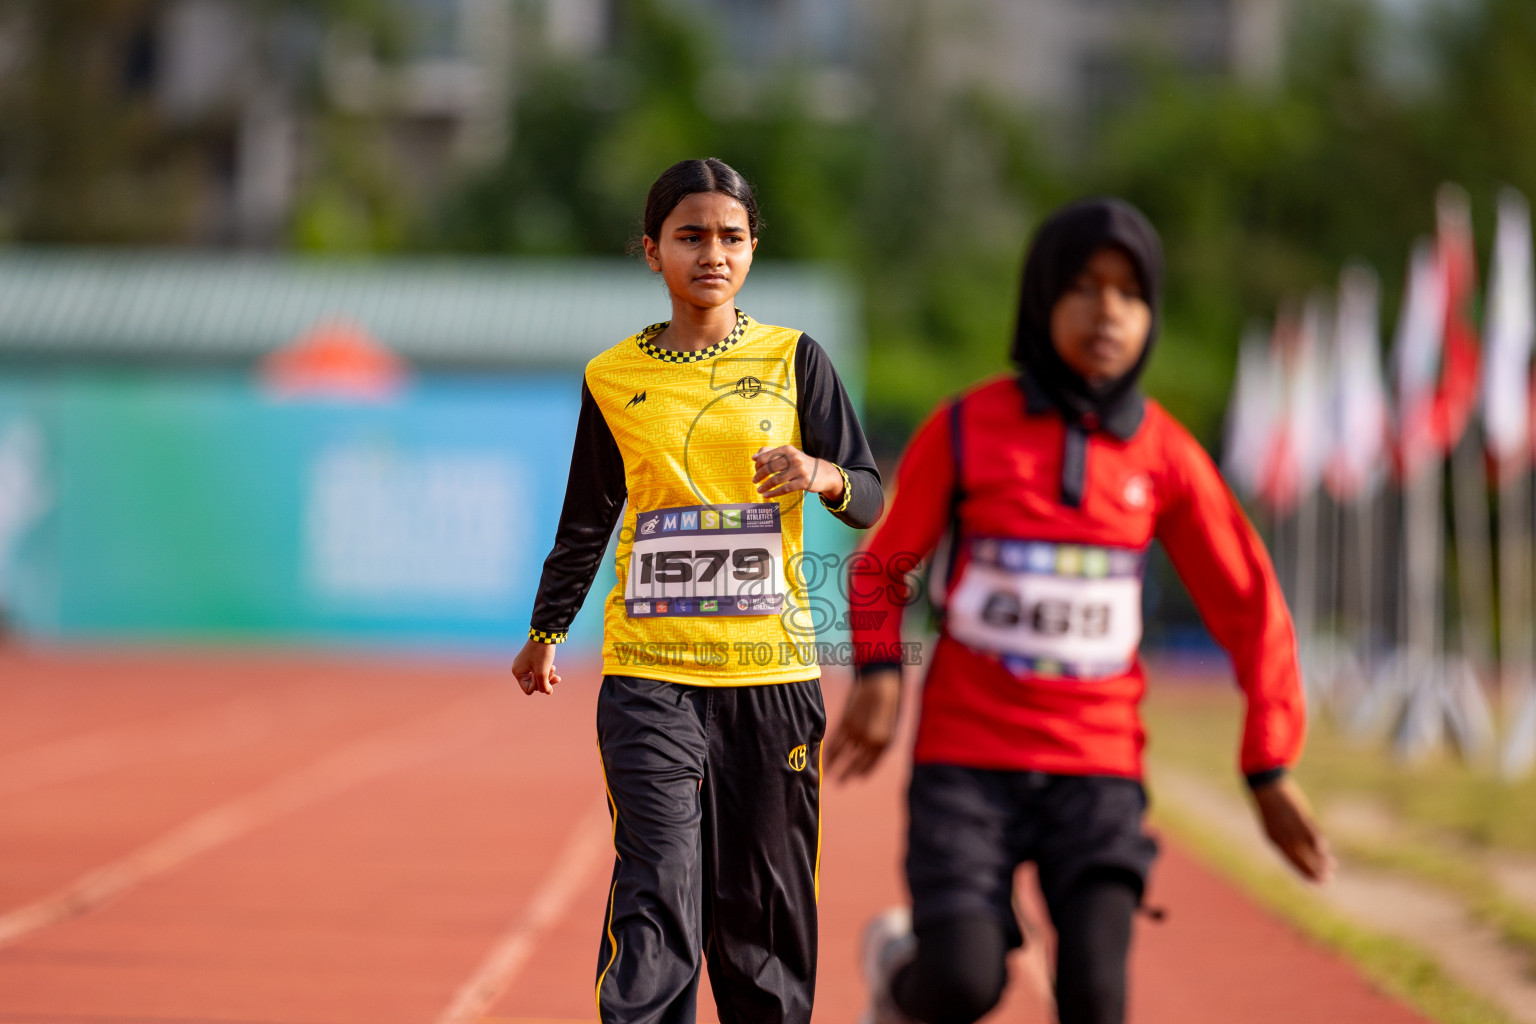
870 668
1257 780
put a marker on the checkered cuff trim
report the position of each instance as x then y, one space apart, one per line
667 355
547 638
847 493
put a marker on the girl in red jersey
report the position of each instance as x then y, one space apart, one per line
1052 483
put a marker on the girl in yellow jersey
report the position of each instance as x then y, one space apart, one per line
705 434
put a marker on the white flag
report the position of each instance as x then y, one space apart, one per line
1416 354
1307 420
1358 401
1510 330
1250 415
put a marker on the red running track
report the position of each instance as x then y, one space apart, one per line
248 837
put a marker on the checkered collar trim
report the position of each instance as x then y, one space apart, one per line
668 355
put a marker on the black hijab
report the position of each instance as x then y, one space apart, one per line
1061 248
1058 253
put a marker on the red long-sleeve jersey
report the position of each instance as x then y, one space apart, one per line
1047 596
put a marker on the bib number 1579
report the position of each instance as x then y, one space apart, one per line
747 564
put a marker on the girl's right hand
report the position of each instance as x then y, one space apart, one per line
534 667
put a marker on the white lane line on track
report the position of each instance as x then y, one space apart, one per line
237 722
454 727
588 847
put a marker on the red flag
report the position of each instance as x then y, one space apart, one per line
1416 358
1456 394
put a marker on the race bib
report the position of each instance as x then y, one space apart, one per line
707 560
1042 608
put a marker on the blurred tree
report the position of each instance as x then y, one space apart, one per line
921 197
1265 194
84 157
927 193
1261 191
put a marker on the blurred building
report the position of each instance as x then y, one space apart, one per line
1061 56
1068 55
442 98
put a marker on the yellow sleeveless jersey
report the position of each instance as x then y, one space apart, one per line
711 589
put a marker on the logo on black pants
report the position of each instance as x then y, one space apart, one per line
797 758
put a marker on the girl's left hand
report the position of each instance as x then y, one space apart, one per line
868 724
1289 823
786 469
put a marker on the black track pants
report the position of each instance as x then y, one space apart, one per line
959 973
968 829
715 793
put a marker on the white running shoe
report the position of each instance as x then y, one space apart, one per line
888 946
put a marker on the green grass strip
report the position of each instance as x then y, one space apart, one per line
1398 968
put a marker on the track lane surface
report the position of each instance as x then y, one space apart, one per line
437 855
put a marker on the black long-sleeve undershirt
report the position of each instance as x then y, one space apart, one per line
594 500
829 429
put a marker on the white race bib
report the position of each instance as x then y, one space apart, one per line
1044 608
707 560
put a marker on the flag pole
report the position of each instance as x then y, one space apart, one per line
1515 634
1507 418
1421 727
1469 717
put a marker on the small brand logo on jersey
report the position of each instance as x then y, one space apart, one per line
668 522
649 526
749 387
742 604
690 520
797 758
639 397
710 605
661 607
641 608
1138 491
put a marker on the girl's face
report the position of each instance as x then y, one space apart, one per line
704 251
1099 325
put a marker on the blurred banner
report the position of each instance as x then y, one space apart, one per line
203 506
